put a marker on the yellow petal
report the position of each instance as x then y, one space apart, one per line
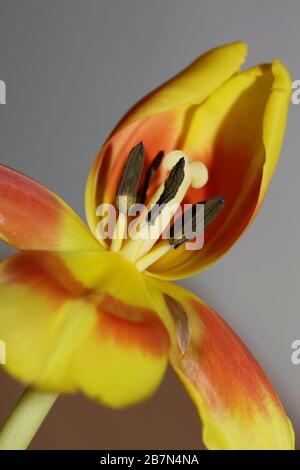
81 322
237 404
193 84
237 133
158 120
34 218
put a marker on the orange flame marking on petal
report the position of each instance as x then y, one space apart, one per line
235 379
130 326
158 132
44 271
33 199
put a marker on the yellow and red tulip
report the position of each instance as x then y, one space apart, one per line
87 319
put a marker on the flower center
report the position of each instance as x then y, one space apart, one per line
151 221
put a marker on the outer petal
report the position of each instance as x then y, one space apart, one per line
34 218
158 120
81 322
236 402
237 133
193 85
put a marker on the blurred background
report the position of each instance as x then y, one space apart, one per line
72 69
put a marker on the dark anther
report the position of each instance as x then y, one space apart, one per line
130 177
180 318
142 192
189 228
171 186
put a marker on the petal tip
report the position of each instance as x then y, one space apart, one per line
282 77
238 47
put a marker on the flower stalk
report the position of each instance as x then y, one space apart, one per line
25 419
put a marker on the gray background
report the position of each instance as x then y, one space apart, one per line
72 69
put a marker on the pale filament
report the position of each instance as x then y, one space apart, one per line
120 227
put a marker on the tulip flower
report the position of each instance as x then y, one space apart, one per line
83 313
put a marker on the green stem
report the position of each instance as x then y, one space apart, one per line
25 419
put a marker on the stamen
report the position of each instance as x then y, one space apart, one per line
171 187
181 321
130 178
126 193
183 174
192 228
212 207
195 175
142 192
